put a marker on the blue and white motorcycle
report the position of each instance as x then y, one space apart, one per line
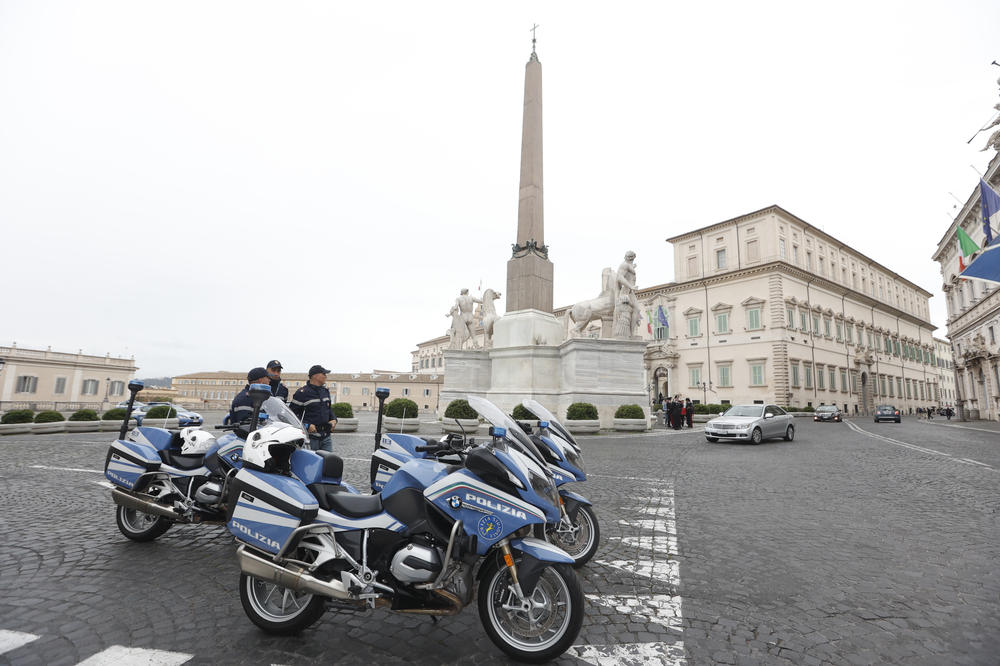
577 532
162 477
414 547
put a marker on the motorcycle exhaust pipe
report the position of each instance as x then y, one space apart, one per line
258 567
150 506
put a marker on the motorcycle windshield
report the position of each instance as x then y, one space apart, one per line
278 412
495 416
543 414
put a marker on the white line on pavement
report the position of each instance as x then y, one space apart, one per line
955 425
630 653
68 469
119 654
11 640
914 447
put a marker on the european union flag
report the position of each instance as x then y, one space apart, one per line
661 316
989 201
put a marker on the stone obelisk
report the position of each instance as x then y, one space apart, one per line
529 271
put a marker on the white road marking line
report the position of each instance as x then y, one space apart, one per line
964 461
119 654
628 478
11 640
955 425
663 571
68 469
630 653
654 525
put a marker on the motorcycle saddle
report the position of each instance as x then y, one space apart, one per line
175 459
333 465
350 505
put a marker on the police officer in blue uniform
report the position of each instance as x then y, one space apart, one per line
311 403
242 407
278 390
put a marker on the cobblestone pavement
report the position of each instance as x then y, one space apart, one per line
856 543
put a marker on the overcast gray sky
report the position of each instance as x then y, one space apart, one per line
209 185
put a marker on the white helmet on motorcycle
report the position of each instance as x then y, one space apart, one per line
195 442
269 448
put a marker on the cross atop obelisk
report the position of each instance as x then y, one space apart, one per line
529 272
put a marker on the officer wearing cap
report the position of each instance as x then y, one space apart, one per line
278 390
311 403
242 407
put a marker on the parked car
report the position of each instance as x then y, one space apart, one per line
136 406
185 417
828 413
751 422
887 413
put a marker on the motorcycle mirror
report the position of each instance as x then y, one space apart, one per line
135 386
258 394
381 393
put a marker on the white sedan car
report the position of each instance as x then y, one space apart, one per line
753 423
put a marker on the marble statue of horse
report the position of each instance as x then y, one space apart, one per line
489 313
585 312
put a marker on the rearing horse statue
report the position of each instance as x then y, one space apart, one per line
489 314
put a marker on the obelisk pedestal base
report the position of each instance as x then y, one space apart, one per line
529 284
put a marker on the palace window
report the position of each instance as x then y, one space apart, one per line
660 332
804 322
60 385
720 258
26 384
694 327
833 377
722 322
795 373
820 381
850 333
90 387
791 317
694 375
816 324
725 375
757 373
826 326
117 387
781 248
840 331
753 319
808 371
843 380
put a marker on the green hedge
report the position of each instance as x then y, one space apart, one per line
48 416
401 408
793 408
521 413
84 415
460 409
342 410
116 414
581 411
710 408
161 412
629 412
18 416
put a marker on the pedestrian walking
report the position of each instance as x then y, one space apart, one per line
689 412
311 403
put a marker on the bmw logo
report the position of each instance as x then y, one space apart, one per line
455 502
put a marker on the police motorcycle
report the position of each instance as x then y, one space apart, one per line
436 536
577 532
162 477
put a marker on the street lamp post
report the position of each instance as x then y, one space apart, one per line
107 391
705 388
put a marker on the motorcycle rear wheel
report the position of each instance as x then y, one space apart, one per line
140 526
544 632
582 543
278 610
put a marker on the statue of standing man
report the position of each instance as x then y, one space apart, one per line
626 316
462 319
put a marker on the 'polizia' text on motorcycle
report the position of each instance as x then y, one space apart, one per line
577 532
163 477
414 547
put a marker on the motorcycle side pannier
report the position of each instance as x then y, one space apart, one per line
126 462
264 509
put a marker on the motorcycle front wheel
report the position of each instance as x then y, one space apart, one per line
580 539
545 630
140 526
278 610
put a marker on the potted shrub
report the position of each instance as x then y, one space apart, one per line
16 422
522 415
467 417
111 421
400 415
49 421
582 418
83 420
345 417
161 416
630 418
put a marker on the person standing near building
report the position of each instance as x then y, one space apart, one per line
311 403
689 412
677 412
278 390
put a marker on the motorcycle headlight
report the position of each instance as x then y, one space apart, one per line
575 459
544 486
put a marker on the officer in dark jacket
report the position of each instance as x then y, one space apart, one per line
278 390
311 403
242 407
